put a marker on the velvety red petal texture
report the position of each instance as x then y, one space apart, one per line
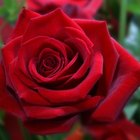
57 23
55 112
53 126
8 102
119 80
73 8
93 7
22 23
121 129
124 84
55 69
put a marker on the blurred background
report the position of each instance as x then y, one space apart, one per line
123 21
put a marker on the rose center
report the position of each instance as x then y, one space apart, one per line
47 65
49 62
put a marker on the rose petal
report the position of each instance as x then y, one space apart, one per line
86 56
55 112
26 93
55 20
7 100
10 51
44 127
22 23
39 43
92 8
80 91
124 85
71 32
98 34
57 78
39 66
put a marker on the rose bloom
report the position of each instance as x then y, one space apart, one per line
120 129
54 68
73 8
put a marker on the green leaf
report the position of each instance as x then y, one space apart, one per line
137 95
1 44
130 110
133 106
135 9
136 117
123 19
132 40
2 114
3 134
134 6
56 136
88 137
10 10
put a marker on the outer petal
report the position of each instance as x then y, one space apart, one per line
33 5
92 8
98 34
61 111
23 91
120 129
10 51
55 20
119 78
8 102
22 23
124 84
50 126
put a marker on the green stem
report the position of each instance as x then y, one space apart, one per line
123 18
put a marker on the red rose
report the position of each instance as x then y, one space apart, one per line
54 68
73 8
121 129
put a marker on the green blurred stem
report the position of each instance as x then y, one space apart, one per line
123 19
